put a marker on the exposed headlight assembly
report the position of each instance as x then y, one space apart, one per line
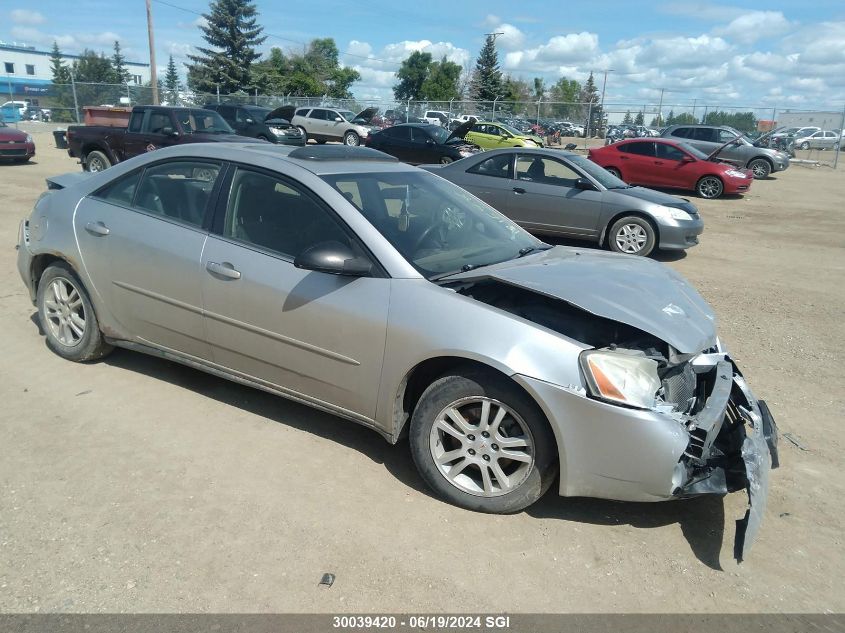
621 378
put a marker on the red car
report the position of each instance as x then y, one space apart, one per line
657 162
15 145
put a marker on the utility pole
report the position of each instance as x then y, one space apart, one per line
153 77
603 86
660 110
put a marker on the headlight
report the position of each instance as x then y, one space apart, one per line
465 152
28 138
622 378
672 212
529 141
736 173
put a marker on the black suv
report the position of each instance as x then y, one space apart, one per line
257 122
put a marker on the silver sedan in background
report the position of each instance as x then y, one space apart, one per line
342 279
551 192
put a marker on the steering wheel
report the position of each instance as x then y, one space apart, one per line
425 234
449 219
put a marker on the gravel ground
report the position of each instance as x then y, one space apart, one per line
135 484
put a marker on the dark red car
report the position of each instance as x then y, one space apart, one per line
657 162
15 145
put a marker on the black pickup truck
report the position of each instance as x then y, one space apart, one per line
150 127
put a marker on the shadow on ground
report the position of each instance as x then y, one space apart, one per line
661 256
701 520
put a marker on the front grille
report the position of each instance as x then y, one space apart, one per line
679 385
13 152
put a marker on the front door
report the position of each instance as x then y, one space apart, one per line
157 131
309 333
141 239
546 199
673 167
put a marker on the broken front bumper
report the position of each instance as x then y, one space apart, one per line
626 454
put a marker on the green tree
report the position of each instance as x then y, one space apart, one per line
565 94
441 84
62 90
412 74
120 73
487 78
684 118
171 83
627 119
233 34
742 121
91 67
640 118
61 74
516 91
589 97
539 88
656 122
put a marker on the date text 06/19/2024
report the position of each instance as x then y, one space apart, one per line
421 621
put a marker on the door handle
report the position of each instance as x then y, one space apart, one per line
97 228
224 270
658 162
624 158
519 190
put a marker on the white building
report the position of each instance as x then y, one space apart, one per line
799 118
25 73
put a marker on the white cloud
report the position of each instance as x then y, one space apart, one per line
750 27
24 16
558 51
67 42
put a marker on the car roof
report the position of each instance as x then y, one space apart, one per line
318 159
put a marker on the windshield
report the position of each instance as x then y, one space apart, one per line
258 113
435 225
440 134
693 150
204 122
509 129
596 172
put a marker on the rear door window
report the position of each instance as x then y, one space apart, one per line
497 166
643 148
120 191
178 190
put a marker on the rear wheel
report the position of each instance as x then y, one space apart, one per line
805 145
67 316
760 167
615 172
445 160
481 443
710 187
632 235
97 161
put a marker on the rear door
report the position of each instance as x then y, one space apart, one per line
157 130
547 200
141 239
491 180
311 334
636 159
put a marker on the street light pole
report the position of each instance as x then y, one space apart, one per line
603 87
660 110
153 77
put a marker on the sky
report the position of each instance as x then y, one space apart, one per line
781 53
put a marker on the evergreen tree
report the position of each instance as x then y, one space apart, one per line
118 62
640 118
590 95
487 78
171 83
441 84
539 88
91 67
232 34
412 75
627 119
61 73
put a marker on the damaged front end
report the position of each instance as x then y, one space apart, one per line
719 437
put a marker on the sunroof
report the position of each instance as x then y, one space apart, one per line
340 152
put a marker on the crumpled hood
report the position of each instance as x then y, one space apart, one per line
639 292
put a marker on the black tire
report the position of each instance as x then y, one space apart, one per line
710 187
628 241
262 137
321 141
805 145
91 345
445 160
760 167
539 474
351 139
614 171
96 161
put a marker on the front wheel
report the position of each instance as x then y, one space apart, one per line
632 235
760 167
352 139
67 316
481 443
710 187
97 161
445 160
805 145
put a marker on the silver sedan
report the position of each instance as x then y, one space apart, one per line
344 280
550 192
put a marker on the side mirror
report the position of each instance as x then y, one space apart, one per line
249 121
687 159
429 141
338 119
585 184
333 258
169 131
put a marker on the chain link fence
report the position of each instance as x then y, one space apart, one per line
545 117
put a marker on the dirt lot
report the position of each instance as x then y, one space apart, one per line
135 484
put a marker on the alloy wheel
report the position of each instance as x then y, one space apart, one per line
710 187
482 447
95 164
631 238
64 312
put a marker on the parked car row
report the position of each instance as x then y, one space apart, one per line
15 145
